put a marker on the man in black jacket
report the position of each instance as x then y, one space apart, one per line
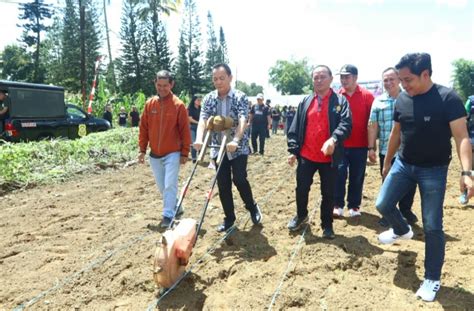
322 122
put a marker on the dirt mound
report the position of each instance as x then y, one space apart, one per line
85 245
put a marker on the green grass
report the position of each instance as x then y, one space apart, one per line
49 161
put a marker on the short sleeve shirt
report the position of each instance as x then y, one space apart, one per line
260 115
424 120
234 105
382 113
122 118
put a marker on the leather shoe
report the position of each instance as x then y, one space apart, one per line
256 215
224 227
328 233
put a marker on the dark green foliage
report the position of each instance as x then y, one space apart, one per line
71 52
33 16
251 89
16 63
130 63
189 67
291 77
211 54
464 77
222 56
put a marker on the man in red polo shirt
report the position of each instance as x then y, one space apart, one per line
355 147
322 122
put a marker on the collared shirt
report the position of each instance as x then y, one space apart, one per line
234 105
317 130
360 103
382 113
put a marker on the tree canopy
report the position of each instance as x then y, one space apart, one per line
290 77
464 77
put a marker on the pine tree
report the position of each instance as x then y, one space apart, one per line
93 38
222 54
211 54
51 52
34 14
130 62
71 53
189 69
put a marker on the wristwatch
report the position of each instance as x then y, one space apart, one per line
236 140
467 173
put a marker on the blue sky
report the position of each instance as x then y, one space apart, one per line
371 34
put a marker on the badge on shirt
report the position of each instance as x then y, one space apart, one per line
338 108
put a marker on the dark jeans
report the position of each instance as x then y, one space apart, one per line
234 170
260 132
406 202
432 183
354 162
304 179
193 138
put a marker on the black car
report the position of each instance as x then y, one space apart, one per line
38 111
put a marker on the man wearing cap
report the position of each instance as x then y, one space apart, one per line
322 122
4 103
260 121
228 102
355 147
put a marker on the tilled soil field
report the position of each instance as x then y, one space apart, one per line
88 244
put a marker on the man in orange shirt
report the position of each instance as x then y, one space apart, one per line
164 127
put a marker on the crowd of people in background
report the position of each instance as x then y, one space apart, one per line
124 119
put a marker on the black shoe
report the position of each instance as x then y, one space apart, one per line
179 213
165 222
296 223
194 161
224 227
410 217
261 153
328 233
256 215
383 222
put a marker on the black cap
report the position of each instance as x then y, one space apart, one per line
349 70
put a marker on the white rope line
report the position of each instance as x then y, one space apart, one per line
96 263
293 255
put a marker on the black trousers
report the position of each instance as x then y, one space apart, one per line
234 170
406 202
260 132
304 179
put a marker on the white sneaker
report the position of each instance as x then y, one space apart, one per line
338 212
354 212
388 237
428 290
211 165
